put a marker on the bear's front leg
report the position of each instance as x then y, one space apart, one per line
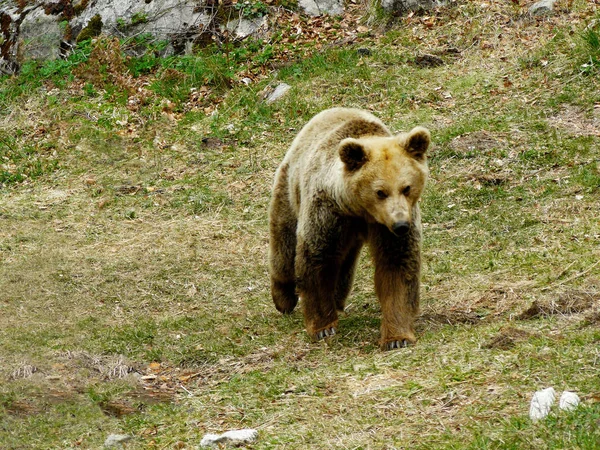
316 280
399 299
397 283
318 258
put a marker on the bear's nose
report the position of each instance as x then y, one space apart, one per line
400 227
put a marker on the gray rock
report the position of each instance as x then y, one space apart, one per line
41 35
542 7
403 6
242 28
116 440
161 18
321 7
45 29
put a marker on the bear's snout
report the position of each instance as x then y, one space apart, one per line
401 227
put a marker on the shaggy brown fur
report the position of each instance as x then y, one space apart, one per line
347 181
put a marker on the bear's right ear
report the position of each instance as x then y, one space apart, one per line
352 154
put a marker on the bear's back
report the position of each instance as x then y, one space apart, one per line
318 140
312 163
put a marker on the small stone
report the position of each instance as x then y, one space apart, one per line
541 403
115 440
542 7
568 401
233 437
279 92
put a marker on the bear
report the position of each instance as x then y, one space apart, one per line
346 181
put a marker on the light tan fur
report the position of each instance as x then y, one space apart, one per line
347 180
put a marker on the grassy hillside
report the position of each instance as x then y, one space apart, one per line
134 292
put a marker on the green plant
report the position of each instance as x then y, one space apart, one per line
139 18
251 10
20 162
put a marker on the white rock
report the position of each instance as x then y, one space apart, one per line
209 440
279 92
233 437
541 403
320 7
115 440
542 7
568 401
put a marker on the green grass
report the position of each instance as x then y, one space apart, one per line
133 242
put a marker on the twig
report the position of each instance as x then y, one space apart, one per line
577 275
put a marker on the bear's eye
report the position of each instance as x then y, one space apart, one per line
381 194
406 191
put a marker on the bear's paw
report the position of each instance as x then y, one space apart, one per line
401 343
327 332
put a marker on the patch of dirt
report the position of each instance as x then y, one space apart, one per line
428 61
21 408
572 302
213 142
478 141
575 121
507 338
492 179
503 297
118 408
38 402
373 383
592 318
451 317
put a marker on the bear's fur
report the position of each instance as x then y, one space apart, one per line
347 180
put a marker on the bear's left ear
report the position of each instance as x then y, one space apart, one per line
417 142
352 154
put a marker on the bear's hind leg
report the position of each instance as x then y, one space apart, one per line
282 246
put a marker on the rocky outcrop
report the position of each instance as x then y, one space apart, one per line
50 29
43 29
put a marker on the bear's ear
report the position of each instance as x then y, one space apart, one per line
352 154
417 142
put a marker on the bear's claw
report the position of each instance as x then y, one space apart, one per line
325 333
397 344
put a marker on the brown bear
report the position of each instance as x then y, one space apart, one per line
347 180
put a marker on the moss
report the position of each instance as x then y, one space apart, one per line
80 7
93 29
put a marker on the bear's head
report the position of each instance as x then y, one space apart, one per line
385 176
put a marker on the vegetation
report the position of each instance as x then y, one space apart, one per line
133 236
